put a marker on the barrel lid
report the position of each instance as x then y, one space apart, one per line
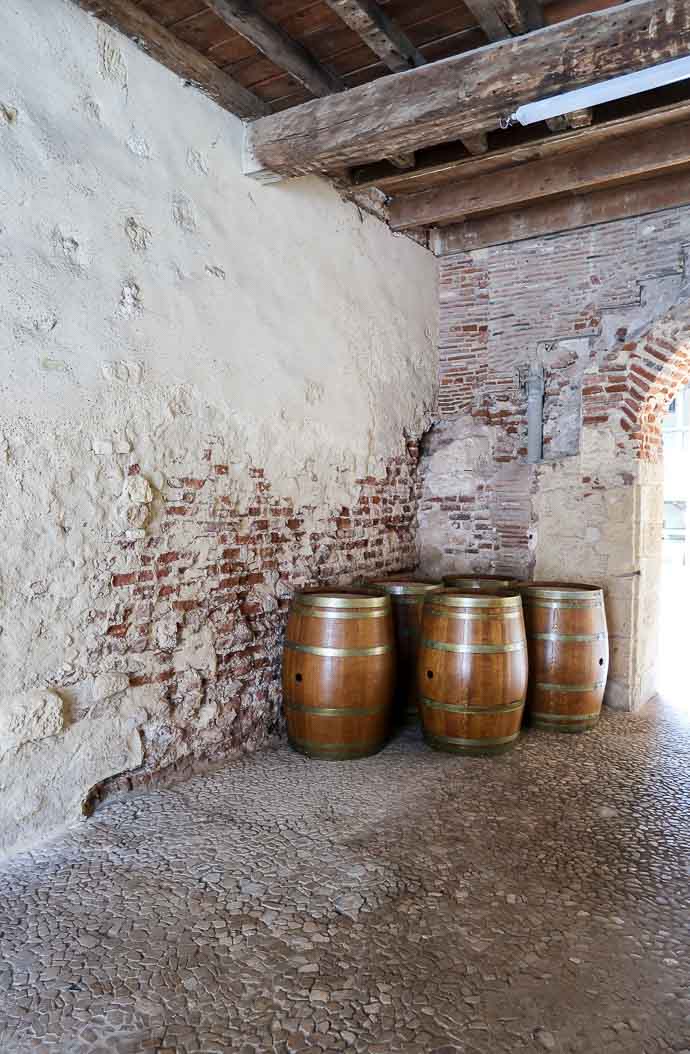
342 598
410 586
560 590
455 598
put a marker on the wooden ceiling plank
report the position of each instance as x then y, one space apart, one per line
379 32
185 61
625 158
565 214
245 18
470 92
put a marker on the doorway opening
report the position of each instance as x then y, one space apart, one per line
675 578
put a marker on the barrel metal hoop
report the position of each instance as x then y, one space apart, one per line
573 637
564 717
582 594
472 649
475 711
544 687
442 612
542 602
456 599
342 613
340 748
338 653
494 742
340 600
336 711
407 590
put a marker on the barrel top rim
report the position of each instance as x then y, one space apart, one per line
562 590
342 598
455 598
470 577
410 586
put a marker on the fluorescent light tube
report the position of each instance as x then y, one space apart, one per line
606 91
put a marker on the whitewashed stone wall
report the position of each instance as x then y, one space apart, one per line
175 337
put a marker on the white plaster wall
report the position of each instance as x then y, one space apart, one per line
152 301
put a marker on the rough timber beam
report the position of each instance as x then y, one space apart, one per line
582 210
489 19
470 92
628 158
501 19
379 32
423 177
388 41
179 57
244 17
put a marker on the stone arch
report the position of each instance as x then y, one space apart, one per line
658 366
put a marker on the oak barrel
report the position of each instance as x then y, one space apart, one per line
568 648
469 582
407 597
338 673
472 671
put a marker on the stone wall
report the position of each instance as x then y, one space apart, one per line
211 394
602 312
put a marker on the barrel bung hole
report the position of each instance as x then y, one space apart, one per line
430 674
298 678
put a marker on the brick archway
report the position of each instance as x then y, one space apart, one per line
658 366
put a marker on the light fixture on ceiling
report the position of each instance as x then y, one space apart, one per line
605 91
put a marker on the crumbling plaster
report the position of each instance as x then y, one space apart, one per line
158 308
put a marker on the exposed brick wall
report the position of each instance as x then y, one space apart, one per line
200 604
576 303
604 311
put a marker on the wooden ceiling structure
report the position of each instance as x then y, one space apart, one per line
402 103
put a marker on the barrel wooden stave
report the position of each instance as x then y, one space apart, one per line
407 598
339 706
473 701
569 655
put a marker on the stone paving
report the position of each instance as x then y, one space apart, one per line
411 902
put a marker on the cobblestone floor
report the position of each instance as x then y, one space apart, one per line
411 902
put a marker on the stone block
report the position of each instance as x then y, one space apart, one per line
30 717
44 783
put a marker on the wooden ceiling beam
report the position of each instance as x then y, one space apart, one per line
245 18
488 17
565 214
501 19
469 92
179 57
379 32
450 171
626 158
521 16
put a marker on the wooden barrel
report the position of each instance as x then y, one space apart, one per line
472 671
338 673
568 648
477 583
407 596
